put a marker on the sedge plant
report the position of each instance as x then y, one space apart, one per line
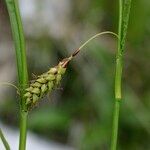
32 93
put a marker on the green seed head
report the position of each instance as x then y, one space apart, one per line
44 83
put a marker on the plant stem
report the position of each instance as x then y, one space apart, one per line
4 140
115 125
23 128
18 36
124 11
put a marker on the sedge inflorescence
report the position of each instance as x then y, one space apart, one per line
44 83
50 80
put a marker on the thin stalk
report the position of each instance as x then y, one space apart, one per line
124 11
23 130
18 36
90 39
6 145
97 35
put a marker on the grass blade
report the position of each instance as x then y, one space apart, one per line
18 36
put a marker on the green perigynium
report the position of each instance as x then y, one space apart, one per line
44 83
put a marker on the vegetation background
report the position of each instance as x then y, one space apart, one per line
80 112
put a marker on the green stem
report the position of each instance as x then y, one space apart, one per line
23 128
18 36
124 11
7 147
115 124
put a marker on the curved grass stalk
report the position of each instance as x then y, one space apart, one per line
96 35
124 11
90 39
18 36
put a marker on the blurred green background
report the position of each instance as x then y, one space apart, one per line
79 113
